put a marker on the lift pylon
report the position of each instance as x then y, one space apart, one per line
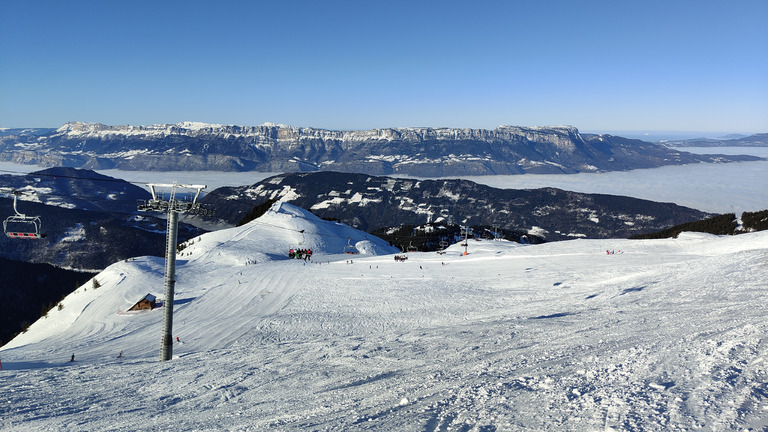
172 206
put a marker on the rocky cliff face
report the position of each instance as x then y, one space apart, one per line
423 152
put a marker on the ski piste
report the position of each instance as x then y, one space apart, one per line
667 335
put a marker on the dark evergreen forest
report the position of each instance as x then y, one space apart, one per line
28 291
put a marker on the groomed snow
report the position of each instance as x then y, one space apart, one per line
575 335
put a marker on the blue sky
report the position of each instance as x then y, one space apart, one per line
596 65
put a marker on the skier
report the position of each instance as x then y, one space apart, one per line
73 358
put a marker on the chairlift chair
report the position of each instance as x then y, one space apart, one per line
20 225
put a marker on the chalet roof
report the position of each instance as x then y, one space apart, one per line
146 302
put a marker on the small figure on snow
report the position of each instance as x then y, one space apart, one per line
177 339
73 358
120 356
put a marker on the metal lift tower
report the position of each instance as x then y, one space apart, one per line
173 207
466 231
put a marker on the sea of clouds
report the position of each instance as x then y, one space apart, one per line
716 188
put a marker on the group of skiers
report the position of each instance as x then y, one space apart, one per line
304 254
401 258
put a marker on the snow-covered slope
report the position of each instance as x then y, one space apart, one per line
658 335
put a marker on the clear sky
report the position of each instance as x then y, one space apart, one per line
597 65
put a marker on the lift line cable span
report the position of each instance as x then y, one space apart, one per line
97 198
113 180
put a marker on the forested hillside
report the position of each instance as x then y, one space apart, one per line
28 291
724 224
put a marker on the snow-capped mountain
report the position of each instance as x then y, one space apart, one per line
372 202
736 140
424 151
25 131
583 335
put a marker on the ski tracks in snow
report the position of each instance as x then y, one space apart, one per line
544 338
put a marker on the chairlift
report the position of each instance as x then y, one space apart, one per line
349 249
20 225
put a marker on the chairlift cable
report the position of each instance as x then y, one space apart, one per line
143 184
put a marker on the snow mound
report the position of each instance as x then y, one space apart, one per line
283 227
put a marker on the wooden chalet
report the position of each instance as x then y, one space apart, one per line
146 303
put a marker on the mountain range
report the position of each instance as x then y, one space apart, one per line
756 140
372 203
601 333
91 220
415 151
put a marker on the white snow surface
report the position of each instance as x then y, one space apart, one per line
657 335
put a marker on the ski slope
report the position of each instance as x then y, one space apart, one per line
659 335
